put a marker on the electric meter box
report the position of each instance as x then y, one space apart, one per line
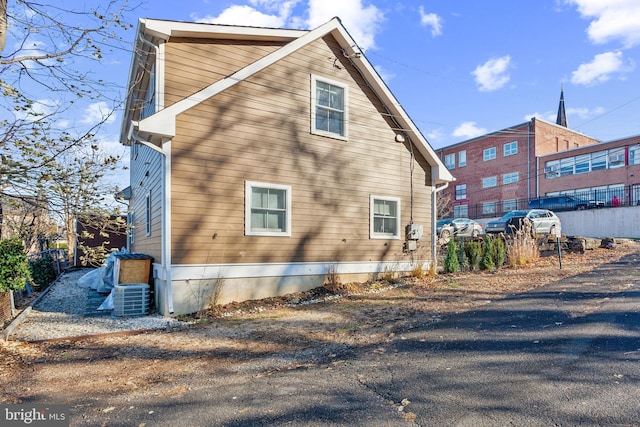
414 231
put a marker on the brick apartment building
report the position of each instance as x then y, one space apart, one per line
496 172
597 172
501 171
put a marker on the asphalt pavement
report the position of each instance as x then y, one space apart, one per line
565 354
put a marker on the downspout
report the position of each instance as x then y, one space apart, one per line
434 220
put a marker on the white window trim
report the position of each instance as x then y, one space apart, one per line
132 228
248 185
314 79
462 158
450 161
376 235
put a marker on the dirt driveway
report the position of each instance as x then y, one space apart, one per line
259 338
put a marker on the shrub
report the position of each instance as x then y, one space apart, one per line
498 252
451 261
487 255
43 271
474 253
14 269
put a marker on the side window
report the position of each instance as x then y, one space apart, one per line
132 228
329 108
385 217
267 209
510 148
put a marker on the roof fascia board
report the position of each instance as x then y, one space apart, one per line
166 29
164 121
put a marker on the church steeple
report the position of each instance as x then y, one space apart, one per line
562 115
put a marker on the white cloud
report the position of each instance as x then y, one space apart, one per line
244 15
98 112
385 75
435 135
362 22
431 20
468 130
612 20
600 69
39 109
493 74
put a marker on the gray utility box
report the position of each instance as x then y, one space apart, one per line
131 299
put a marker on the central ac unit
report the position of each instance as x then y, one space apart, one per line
131 299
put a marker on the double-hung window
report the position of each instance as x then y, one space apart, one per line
267 209
489 154
385 217
329 108
510 148
450 161
462 158
461 192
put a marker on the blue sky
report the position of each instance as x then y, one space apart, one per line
466 67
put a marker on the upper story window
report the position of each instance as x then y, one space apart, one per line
489 154
462 158
149 106
634 155
489 182
511 148
267 209
450 161
329 107
461 192
385 217
510 178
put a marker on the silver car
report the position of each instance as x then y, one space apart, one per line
459 227
542 221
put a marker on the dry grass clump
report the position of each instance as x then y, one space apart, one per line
522 248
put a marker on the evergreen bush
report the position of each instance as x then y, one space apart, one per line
43 271
474 253
487 255
14 268
451 261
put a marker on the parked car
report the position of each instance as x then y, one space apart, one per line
566 202
542 221
459 227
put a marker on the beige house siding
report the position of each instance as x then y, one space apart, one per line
147 160
259 130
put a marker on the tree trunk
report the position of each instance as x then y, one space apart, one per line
3 24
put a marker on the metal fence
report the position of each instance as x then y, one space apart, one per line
59 258
595 198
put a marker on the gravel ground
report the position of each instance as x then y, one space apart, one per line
68 310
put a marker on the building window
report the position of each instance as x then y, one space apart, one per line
567 165
462 158
509 205
267 209
489 154
489 208
510 178
329 108
148 216
385 217
599 161
489 182
461 192
511 148
616 158
461 211
552 169
450 161
634 155
582 164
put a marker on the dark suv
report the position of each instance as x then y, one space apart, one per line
559 203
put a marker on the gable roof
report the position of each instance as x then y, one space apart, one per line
163 122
